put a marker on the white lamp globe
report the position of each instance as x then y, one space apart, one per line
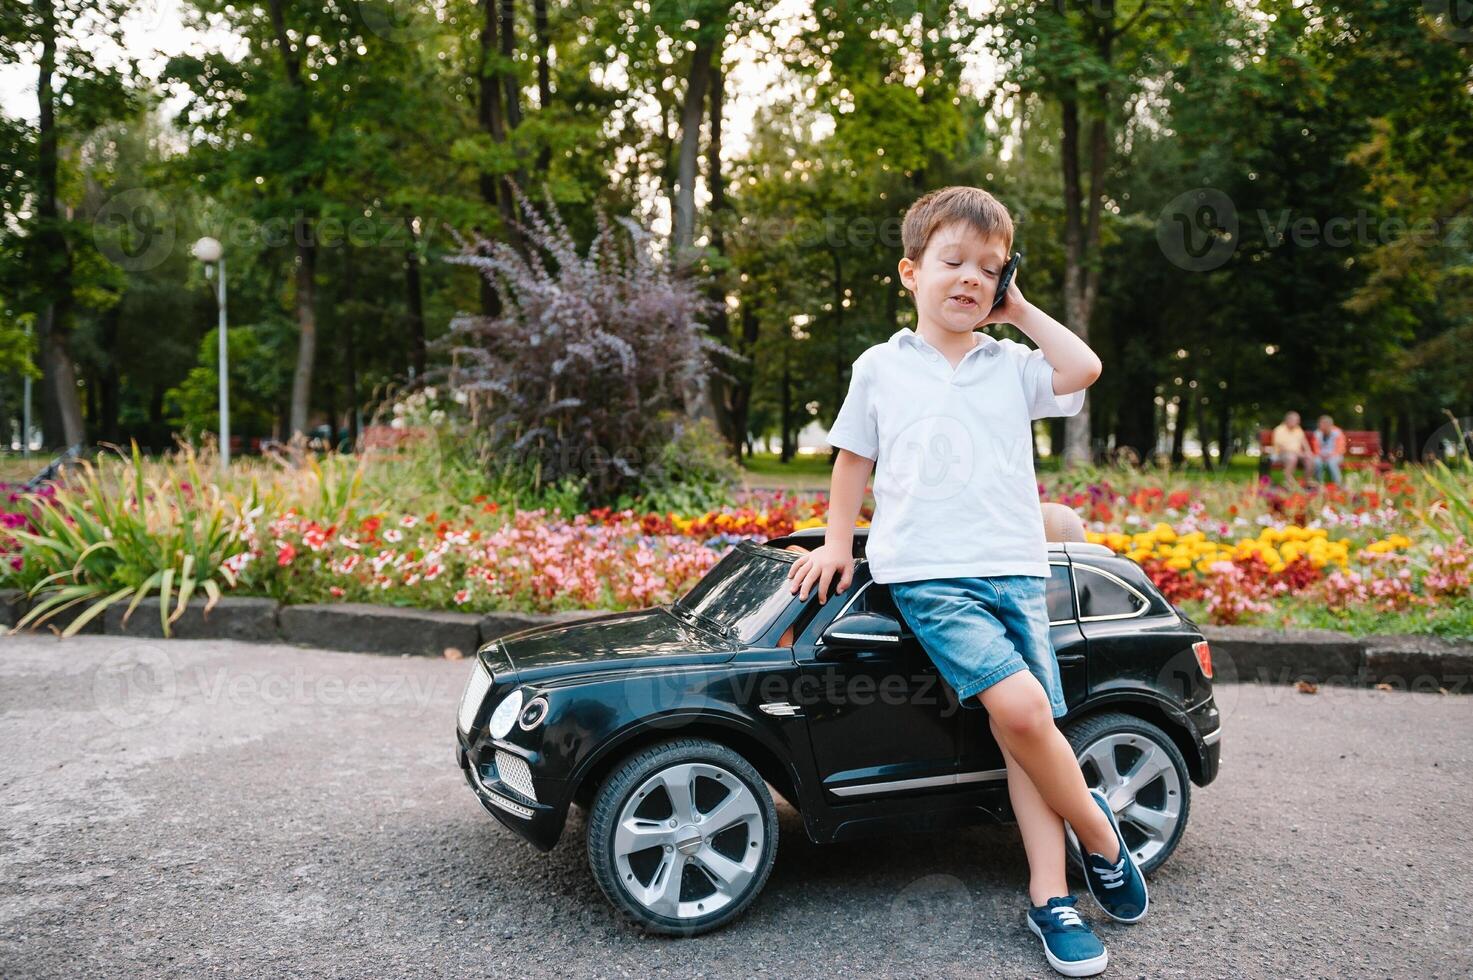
207 250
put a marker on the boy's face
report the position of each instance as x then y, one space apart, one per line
957 262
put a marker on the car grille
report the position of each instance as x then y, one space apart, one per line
515 773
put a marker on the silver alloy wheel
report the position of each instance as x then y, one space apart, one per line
1145 798
685 838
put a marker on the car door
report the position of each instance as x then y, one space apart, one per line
981 759
881 720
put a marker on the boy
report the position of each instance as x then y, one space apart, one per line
946 414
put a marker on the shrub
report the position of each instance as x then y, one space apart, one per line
118 535
581 373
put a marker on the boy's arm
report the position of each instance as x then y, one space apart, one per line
1076 367
833 564
846 494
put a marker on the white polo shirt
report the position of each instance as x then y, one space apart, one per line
955 491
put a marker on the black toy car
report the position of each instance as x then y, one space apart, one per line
674 725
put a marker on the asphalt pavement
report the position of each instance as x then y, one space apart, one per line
195 809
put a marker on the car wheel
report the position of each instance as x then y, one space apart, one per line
1143 775
682 836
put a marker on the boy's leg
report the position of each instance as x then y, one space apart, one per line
1042 829
1025 729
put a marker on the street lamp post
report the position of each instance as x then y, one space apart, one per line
212 254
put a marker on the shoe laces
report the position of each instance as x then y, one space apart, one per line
1111 876
1067 917
1064 915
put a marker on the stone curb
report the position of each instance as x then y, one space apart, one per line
12 607
364 628
232 618
1405 662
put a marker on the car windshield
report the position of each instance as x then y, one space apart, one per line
743 593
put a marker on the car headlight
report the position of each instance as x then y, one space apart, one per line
532 714
475 693
505 715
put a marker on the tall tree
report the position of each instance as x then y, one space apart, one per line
74 93
1088 57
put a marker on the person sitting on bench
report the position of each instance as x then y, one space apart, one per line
1329 450
1291 446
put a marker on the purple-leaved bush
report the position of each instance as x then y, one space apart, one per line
593 359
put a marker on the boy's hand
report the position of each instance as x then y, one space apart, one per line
821 565
1010 310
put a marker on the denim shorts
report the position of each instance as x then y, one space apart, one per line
980 630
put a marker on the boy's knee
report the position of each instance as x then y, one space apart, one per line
1026 719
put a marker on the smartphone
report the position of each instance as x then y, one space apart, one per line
1006 279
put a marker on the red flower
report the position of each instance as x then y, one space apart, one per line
284 554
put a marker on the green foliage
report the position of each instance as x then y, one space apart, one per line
256 375
17 344
693 474
118 535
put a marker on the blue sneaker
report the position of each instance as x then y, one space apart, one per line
1119 888
1069 943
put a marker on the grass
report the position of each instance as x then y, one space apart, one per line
1453 620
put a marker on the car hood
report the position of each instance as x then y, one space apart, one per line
652 637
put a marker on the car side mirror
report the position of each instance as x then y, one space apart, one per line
861 631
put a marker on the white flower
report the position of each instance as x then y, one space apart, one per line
437 417
430 394
399 408
398 423
461 397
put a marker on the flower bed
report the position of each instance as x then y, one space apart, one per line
1228 553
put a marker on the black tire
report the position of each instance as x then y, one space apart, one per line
1126 734
618 791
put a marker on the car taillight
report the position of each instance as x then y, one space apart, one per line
1204 657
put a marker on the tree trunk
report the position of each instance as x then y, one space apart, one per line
1178 432
1082 222
690 143
721 393
489 113
414 301
350 344
1224 432
52 262
544 76
508 76
306 288
109 383
785 410
302 227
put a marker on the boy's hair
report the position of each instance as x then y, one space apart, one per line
972 205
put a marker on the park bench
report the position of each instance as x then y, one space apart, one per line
1362 449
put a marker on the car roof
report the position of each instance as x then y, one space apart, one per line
812 537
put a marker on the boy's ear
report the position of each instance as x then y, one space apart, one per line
907 273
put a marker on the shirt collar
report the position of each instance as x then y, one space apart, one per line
905 336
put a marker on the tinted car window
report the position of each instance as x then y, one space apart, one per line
743 592
1060 595
1100 595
